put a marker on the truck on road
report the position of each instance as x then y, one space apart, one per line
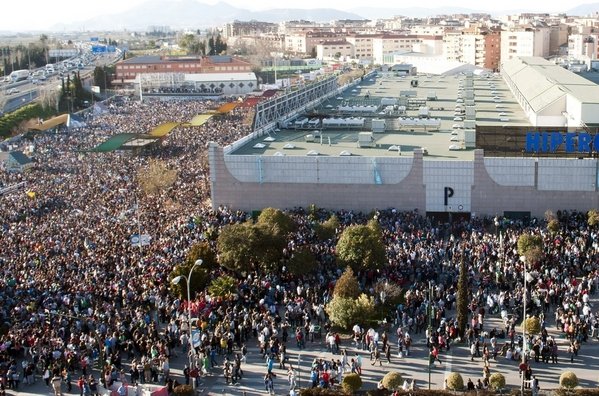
19 75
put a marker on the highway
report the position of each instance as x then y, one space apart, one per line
29 92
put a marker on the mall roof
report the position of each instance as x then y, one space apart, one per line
489 111
542 82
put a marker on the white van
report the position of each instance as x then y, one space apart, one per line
49 68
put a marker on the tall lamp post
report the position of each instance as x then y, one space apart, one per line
527 278
176 281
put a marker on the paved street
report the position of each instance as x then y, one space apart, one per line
416 366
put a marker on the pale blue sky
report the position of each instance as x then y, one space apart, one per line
41 14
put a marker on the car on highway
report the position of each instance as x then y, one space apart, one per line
12 91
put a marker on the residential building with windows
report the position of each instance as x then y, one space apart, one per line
127 70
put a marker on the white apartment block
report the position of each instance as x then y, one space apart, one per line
525 42
465 48
583 46
427 30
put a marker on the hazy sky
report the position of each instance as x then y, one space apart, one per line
43 14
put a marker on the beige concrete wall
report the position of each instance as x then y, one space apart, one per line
422 188
227 190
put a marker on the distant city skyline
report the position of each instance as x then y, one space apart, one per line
45 15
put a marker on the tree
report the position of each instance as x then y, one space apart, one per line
156 177
347 285
201 250
392 381
393 293
342 312
365 309
532 325
553 226
276 218
361 247
455 382
223 286
198 280
593 217
302 261
497 381
351 383
462 298
268 246
568 380
327 230
235 246
531 247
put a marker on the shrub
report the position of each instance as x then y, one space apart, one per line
455 382
568 380
392 380
497 381
351 383
342 311
183 390
533 325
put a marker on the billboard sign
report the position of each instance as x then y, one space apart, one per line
570 142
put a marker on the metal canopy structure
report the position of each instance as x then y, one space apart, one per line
281 107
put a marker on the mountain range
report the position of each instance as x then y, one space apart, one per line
194 14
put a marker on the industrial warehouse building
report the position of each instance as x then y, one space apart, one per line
447 145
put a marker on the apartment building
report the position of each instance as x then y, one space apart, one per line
128 69
524 41
583 46
476 46
362 45
306 42
387 44
248 28
335 49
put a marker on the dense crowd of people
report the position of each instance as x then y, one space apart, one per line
76 293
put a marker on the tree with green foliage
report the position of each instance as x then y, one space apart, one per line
216 45
198 281
235 246
302 261
281 222
462 298
344 312
268 246
553 226
347 285
351 383
201 274
531 247
361 247
328 229
223 286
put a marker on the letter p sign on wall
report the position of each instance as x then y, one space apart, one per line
448 194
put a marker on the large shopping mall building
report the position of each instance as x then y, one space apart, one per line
516 144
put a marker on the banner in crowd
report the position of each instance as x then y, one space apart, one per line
196 338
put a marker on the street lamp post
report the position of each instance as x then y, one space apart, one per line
527 278
430 328
175 281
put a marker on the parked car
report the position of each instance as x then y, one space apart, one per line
12 91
